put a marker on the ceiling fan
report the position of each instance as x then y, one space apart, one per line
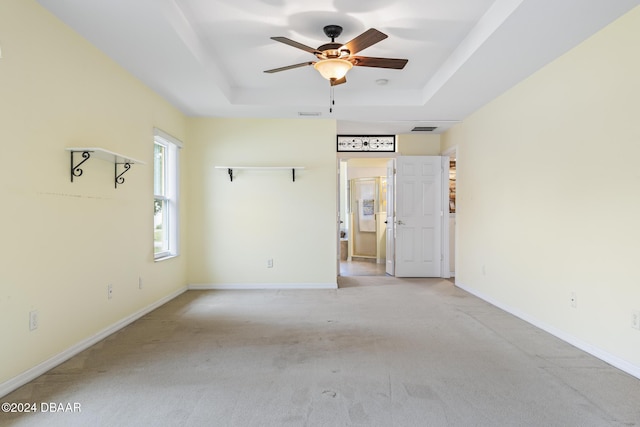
335 59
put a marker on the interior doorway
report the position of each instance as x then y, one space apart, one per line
362 213
351 205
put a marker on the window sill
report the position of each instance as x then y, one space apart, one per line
164 257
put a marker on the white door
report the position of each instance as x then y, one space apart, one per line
418 216
390 230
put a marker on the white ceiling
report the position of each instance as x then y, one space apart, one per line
207 57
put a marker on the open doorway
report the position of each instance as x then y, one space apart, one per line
453 166
362 207
363 216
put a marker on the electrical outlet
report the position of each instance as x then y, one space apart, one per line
33 320
109 291
635 319
139 282
270 263
574 300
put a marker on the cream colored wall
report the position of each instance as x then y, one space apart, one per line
236 226
548 200
418 144
63 242
366 167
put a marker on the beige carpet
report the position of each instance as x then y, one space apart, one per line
378 351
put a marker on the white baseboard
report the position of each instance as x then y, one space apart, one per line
249 286
611 359
33 373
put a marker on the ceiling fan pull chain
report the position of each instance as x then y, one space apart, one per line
331 100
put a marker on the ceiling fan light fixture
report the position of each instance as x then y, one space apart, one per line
333 68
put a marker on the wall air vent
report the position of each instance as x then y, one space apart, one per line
424 129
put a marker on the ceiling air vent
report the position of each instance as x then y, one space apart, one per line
309 113
424 129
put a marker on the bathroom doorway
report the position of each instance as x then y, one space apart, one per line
362 200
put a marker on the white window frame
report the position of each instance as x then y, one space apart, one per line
171 164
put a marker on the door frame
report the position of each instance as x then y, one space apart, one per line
445 271
445 233
347 156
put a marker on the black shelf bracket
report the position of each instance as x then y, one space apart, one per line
230 174
101 154
119 179
76 170
293 174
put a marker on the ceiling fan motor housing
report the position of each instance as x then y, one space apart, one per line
332 50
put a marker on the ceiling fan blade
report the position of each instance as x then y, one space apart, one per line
289 67
364 40
368 61
336 82
296 44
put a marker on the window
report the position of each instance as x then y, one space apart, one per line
165 190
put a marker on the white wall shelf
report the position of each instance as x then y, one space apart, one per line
230 169
102 154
